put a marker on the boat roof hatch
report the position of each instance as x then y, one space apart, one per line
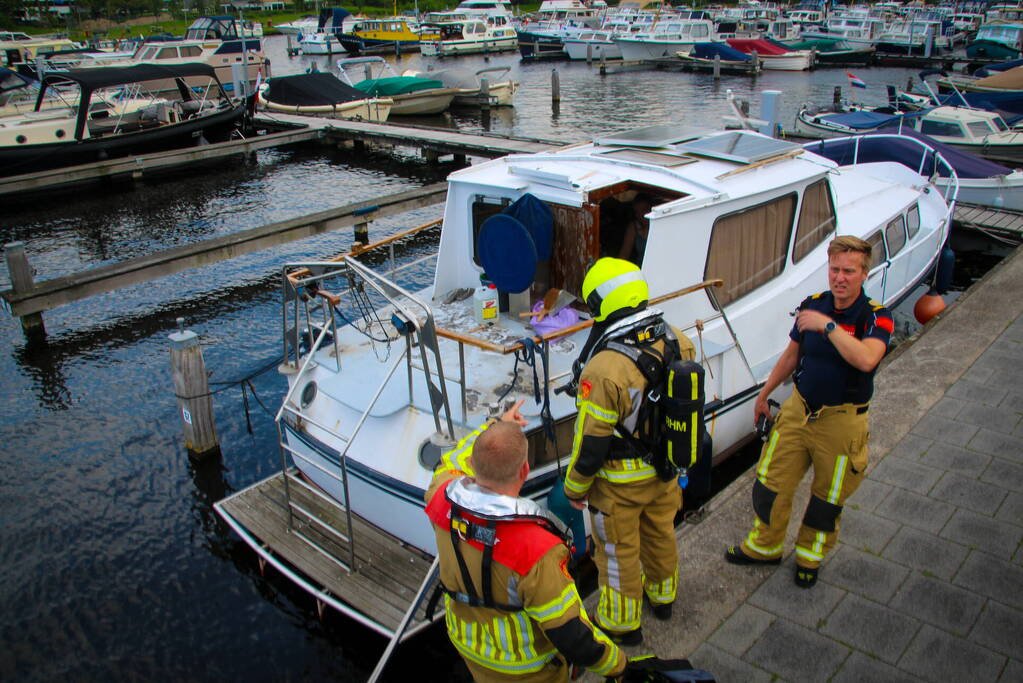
645 156
739 146
651 136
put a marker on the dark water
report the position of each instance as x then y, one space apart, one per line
113 564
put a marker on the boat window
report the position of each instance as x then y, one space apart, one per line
191 51
979 128
148 54
913 221
877 254
999 124
895 235
947 129
168 53
748 247
816 219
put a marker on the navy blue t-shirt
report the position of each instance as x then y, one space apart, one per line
823 377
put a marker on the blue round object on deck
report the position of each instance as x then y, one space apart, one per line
507 253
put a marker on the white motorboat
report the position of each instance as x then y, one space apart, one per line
321 94
321 43
773 56
299 27
666 38
856 28
411 95
472 36
597 44
498 92
383 380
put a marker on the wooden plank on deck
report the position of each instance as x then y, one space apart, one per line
387 574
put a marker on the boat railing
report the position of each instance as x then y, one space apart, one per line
310 314
930 164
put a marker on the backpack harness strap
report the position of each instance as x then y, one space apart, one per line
463 529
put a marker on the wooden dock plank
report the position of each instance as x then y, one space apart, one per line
388 574
1005 221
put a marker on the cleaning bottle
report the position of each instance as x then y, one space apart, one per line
484 304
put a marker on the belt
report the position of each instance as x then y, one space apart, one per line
813 414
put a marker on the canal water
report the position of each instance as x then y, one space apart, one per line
113 563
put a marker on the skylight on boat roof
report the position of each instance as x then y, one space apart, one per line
738 146
645 156
650 136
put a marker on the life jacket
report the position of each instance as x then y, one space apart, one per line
515 532
669 423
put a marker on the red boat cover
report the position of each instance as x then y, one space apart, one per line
762 47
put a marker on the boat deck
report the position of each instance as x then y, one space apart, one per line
387 575
1005 222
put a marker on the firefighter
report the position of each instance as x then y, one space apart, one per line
632 509
836 343
513 611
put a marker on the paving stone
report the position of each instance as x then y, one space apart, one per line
864 574
1005 474
1013 672
796 653
911 446
859 668
872 628
938 656
968 493
724 666
938 603
944 430
1003 364
905 474
955 459
1011 510
1000 628
1005 346
976 392
921 512
1013 401
865 531
741 629
1002 445
984 533
869 494
996 419
977 374
997 579
926 552
782 597
948 407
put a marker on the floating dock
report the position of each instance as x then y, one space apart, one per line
1003 223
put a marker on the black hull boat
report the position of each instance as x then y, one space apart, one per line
115 116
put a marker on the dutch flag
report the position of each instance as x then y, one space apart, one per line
854 81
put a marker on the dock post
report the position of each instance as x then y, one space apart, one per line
589 53
362 233
603 63
836 98
20 272
555 86
753 56
432 157
191 386
928 42
291 50
717 67
485 93
769 112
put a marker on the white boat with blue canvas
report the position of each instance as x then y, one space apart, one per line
383 378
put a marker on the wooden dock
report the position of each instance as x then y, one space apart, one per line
380 588
1004 223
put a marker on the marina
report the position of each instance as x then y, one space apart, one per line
105 346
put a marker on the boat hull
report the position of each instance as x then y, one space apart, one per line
376 109
795 61
421 104
214 127
638 50
540 46
585 49
451 48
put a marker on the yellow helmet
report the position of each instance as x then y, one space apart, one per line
612 284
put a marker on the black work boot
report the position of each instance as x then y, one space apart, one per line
806 577
735 555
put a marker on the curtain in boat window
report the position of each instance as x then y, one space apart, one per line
877 253
748 248
816 219
913 221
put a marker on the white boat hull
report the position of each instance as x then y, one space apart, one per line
793 61
375 109
638 50
584 49
1001 192
451 48
322 44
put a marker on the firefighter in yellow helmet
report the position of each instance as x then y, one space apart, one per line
632 509
512 609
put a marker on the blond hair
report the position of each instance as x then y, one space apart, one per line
847 243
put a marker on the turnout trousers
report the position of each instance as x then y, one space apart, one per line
834 441
634 548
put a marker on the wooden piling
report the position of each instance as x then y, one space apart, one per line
589 53
484 94
555 86
192 389
836 98
20 272
603 63
717 67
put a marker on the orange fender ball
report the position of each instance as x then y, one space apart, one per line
928 306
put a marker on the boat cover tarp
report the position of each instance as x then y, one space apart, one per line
873 148
860 120
1007 80
463 79
819 44
992 69
762 46
310 90
711 50
539 221
104 77
333 17
397 85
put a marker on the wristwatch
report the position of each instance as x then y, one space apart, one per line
830 327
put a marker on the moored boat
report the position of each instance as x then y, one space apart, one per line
472 36
774 56
411 95
321 94
469 84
